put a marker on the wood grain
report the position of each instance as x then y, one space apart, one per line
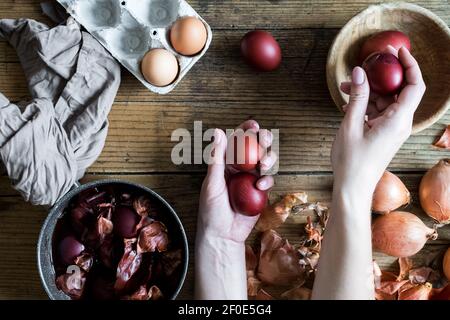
273 14
222 92
20 225
221 75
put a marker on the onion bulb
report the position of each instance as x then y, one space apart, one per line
390 194
400 234
434 192
446 264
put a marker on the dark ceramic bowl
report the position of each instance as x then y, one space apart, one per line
45 245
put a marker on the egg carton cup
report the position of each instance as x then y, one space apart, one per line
128 29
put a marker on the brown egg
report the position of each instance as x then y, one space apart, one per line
188 36
159 67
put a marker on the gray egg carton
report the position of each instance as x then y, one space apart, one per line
128 29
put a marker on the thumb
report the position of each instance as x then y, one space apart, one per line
359 99
216 168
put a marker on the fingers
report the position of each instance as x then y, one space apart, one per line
346 87
359 98
412 71
216 168
411 95
249 125
267 162
390 49
265 138
265 183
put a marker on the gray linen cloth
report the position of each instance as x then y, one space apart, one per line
47 144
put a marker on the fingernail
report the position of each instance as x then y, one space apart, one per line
268 137
217 136
265 162
262 184
391 47
358 76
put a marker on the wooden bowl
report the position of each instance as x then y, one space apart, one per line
430 45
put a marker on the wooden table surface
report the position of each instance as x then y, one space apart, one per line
222 92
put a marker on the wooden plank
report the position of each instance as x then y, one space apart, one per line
141 143
220 75
139 138
294 99
20 224
257 14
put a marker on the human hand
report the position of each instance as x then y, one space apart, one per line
221 232
216 217
363 149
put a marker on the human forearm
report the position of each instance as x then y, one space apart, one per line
219 269
347 248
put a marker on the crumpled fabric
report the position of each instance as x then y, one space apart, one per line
47 144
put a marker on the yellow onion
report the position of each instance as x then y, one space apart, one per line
434 192
400 234
446 264
416 292
390 194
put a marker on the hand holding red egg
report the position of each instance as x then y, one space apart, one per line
385 64
378 57
231 200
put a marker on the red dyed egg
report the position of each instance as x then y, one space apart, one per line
245 197
384 72
261 50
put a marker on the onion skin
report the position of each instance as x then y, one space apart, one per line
434 192
245 197
279 261
400 234
441 294
390 194
446 264
418 292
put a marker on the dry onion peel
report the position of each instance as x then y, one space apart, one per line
253 283
298 293
406 265
444 141
415 292
274 215
263 295
279 261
